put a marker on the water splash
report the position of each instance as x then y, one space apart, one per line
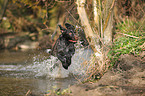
78 67
50 67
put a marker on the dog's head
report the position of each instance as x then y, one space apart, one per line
69 33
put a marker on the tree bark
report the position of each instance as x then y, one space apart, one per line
95 11
85 23
108 26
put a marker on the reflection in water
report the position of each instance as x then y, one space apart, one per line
19 86
34 70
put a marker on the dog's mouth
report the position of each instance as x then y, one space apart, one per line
74 40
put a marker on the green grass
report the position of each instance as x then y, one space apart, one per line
130 35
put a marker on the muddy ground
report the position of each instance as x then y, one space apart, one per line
127 78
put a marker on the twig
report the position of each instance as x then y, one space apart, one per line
27 92
54 33
127 35
72 16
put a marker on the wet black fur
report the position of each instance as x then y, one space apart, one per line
64 49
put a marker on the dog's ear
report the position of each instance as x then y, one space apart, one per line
62 28
69 26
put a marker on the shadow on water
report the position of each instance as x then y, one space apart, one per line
35 70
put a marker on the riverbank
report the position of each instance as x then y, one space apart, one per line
126 78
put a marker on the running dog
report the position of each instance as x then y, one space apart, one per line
64 47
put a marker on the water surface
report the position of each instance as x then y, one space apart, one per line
35 70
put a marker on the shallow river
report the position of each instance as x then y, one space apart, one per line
35 71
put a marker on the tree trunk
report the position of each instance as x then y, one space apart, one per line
95 11
85 23
102 35
108 22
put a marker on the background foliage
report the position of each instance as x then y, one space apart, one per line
40 18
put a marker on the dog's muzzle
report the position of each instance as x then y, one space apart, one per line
75 39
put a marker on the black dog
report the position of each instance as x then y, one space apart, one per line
64 47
